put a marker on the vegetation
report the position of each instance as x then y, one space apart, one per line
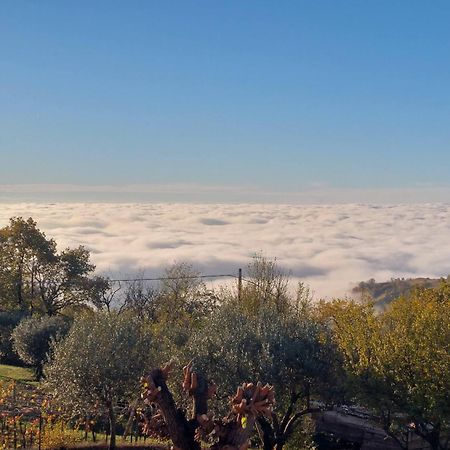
94 339
289 352
8 321
33 336
16 373
99 364
233 432
35 277
398 362
385 292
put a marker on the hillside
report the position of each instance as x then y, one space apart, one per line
384 292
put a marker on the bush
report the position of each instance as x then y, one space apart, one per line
8 321
32 338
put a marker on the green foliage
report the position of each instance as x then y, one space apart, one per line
99 364
33 336
228 345
303 436
292 352
23 248
398 361
8 321
414 355
288 352
181 305
266 334
183 298
33 276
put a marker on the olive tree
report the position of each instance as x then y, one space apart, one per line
31 339
8 321
289 352
189 430
99 364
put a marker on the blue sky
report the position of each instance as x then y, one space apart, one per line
280 96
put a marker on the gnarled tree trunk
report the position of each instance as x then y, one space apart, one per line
231 433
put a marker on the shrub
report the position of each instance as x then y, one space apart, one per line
8 321
32 338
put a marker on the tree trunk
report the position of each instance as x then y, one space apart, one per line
19 286
232 433
180 430
234 436
112 426
39 371
266 433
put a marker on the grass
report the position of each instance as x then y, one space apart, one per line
22 374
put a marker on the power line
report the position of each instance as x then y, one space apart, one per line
239 277
187 277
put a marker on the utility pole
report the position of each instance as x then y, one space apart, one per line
239 284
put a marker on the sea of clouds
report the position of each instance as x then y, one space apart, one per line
330 247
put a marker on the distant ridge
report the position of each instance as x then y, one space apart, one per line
382 293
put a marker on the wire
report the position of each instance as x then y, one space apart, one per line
187 277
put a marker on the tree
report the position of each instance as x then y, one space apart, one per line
33 336
183 297
141 299
289 352
267 284
414 359
104 293
398 361
99 364
8 321
66 281
355 328
233 432
33 275
181 304
23 249
266 332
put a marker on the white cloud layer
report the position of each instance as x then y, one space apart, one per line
329 247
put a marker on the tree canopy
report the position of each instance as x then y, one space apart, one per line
33 336
34 276
99 364
398 361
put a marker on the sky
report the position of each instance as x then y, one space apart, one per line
316 132
264 101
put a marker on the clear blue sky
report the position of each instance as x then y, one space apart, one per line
286 95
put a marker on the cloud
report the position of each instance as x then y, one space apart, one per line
331 247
